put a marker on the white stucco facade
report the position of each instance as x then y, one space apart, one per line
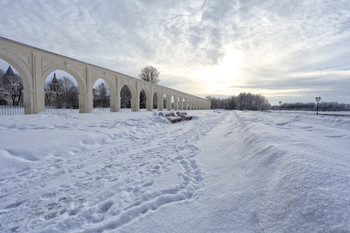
34 65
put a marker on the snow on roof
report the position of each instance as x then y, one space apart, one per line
9 72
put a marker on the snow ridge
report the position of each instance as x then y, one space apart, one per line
298 185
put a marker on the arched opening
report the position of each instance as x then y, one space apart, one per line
164 101
61 91
11 85
125 97
172 104
155 101
143 99
29 103
101 94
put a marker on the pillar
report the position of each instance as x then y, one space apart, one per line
135 99
38 96
149 103
114 103
176 102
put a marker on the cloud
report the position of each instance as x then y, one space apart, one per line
277 41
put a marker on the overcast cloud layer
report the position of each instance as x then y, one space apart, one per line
286 50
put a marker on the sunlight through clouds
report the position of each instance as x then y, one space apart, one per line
203 47
226 72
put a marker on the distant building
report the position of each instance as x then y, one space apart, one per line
7 84
52 92
54 84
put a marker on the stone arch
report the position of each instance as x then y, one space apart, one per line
54 96
125 99
143 99
172 101
70 70
101 99
155 101
25 74
132 94
164 101
19 66
34 65
159 101
108 80
112 89
83 103
129 85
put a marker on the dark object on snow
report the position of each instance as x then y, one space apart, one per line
171 117
184 116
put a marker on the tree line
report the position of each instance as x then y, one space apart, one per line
244 101
322 106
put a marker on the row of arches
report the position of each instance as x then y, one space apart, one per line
128 94
34 66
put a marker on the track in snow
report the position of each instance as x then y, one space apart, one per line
110 186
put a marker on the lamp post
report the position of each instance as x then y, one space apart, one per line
318 99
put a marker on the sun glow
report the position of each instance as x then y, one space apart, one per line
216 79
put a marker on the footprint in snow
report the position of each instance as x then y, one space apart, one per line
104 207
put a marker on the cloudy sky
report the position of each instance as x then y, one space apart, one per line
285 50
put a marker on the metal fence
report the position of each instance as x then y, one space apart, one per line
11 110
19 110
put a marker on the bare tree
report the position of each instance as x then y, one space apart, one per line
48 94
101 95
1 74
14 86
155 101
125 97
68 93
143 99
149 74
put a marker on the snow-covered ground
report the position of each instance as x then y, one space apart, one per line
223 171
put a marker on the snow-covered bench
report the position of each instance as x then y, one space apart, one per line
184 116
171 117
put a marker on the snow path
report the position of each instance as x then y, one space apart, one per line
267 172
108 187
